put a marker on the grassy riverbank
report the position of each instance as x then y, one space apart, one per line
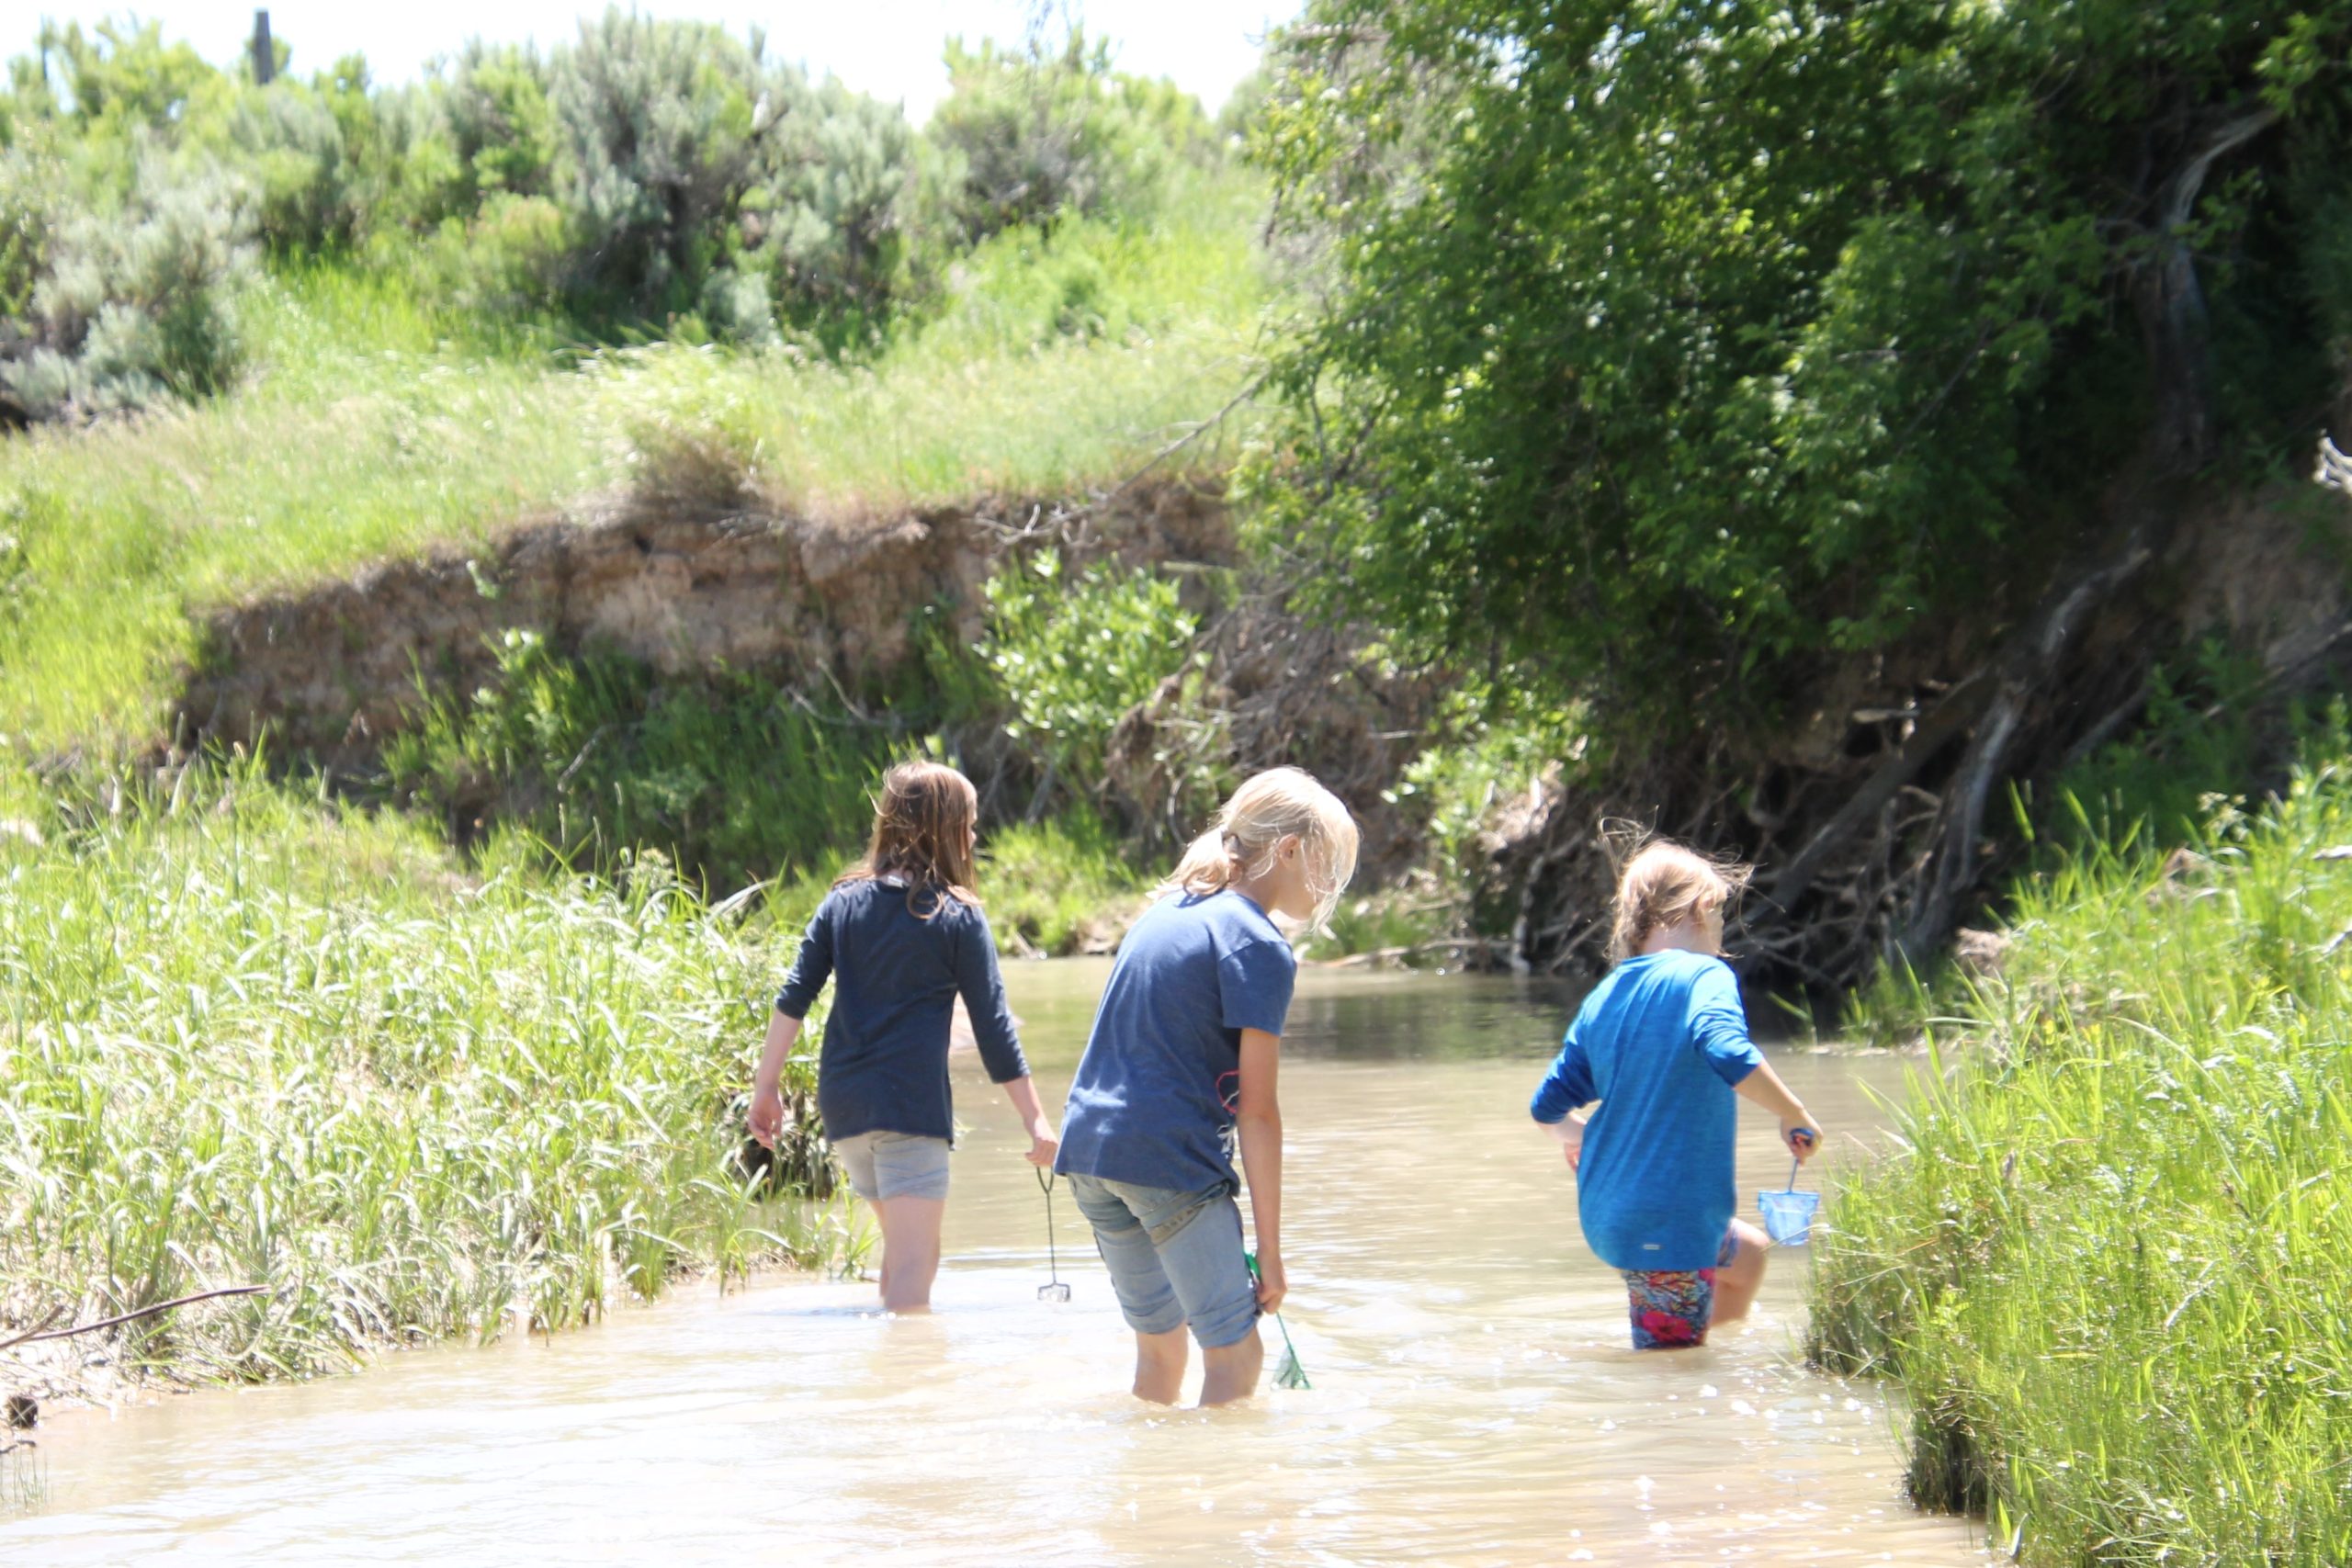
2110 1259
378 422
251 1039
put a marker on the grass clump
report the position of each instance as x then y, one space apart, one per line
2110 1259
252 1038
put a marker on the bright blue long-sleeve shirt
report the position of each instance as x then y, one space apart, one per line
1660 1042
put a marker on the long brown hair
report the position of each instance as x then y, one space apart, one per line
922 835
1665 884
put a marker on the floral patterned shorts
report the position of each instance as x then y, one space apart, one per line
1670 1308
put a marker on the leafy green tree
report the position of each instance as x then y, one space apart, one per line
1675 351
122 73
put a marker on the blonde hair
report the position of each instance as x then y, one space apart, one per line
922 834
1665 884
1268 808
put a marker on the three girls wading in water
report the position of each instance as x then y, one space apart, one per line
1179 1076
902 937
1662 1045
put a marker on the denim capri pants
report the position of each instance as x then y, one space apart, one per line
1174 1257
894 1165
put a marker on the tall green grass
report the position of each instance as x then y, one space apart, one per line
247 1038
378 424
2111 1260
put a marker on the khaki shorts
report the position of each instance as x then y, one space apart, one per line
895 1164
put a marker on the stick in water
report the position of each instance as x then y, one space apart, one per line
129 1316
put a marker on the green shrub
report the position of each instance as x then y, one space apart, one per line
732 778
249 1038
1076 650
1030 135
829 215
658 124
140 304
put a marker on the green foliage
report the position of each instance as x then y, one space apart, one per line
1037 133
648 177
2204 735
658 125
1641 363
1076 650
121 74
139 303
1060 886
829 219
735 779
1496 759
252 1038
2106 1254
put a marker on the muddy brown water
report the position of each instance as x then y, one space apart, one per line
1475 1401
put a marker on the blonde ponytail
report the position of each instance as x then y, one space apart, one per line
1241 841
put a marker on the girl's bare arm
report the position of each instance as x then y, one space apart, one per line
1260 1125
1798 1129
767 1103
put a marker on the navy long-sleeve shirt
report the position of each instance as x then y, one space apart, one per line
897 975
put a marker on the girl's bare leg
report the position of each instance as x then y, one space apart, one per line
1159 1366
1737 1281
909 1250
1230 1371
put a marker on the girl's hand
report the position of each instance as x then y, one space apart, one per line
1801 1137
1572 1140
1272 1283
1043 1145
766 1115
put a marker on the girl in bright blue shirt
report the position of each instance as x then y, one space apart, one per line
1662 1045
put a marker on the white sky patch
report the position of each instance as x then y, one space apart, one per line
887 47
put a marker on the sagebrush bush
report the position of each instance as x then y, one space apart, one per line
657 122
141 304
1032 134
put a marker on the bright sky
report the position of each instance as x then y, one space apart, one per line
887 47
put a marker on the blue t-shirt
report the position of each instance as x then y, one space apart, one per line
1154 1097
897 975
1659 1043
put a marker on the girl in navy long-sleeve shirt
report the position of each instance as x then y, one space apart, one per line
902 937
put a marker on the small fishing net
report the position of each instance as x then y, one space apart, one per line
1057 1291
1788 1215
1288 1373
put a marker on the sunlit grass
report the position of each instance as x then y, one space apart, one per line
2110 1263
248 1038
374 426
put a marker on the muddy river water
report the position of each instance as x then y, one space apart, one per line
1474 1399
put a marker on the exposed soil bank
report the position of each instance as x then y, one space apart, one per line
330 672
329 675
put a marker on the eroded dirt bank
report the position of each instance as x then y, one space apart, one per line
331 671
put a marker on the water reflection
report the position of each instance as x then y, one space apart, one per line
1474 1402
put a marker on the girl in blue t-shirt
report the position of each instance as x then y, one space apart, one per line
1178 1072
901 937
1662 1043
